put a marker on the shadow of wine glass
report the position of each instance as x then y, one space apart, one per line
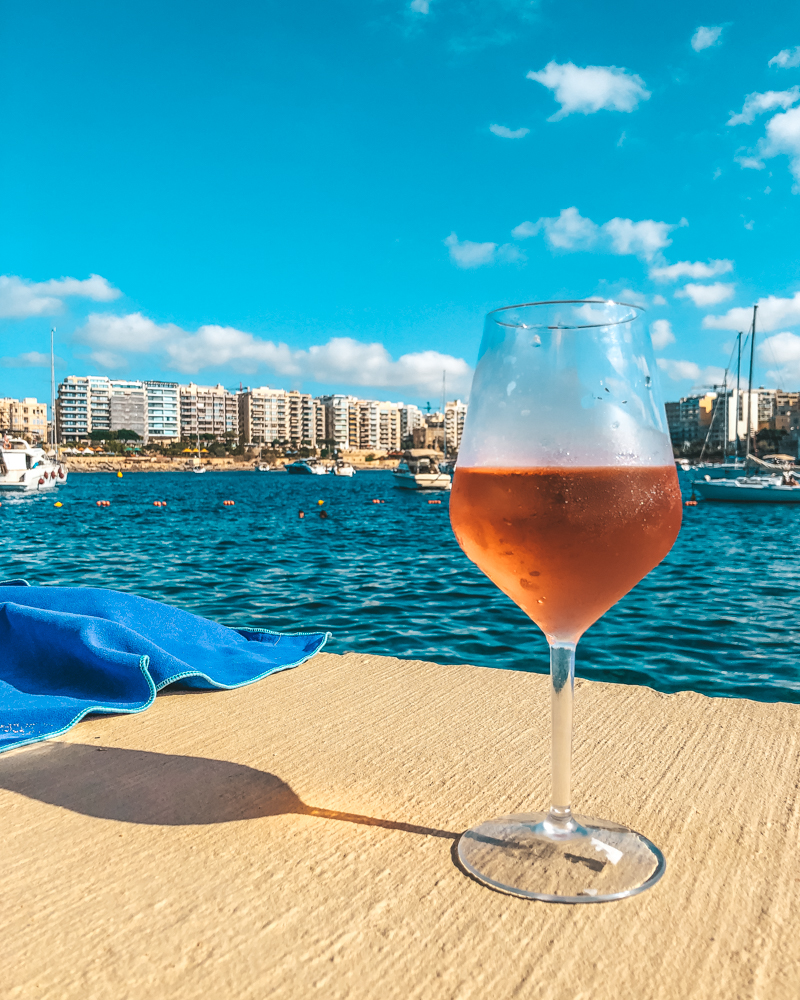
138 786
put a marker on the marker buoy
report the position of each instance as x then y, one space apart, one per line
119 473
156 503
58 503
103 503
320 503
228 503
434 501
690 503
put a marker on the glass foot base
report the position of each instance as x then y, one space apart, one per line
583 861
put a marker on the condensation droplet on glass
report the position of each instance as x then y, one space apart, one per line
537 341
648 381
615 425
510 388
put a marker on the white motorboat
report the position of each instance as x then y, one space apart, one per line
784 488
25 468
342 469
307 467
419 470
261 467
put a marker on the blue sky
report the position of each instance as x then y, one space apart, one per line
331 196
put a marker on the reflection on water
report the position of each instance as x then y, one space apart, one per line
719 616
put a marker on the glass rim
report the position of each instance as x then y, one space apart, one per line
638 310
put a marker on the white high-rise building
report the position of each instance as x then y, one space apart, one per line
455 413
279 415
211 411
163 415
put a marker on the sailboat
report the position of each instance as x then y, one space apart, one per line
778 486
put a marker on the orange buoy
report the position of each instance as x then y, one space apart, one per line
156 503
690 503
434 501
320 503
228 503
58 503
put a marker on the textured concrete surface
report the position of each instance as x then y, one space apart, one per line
296 838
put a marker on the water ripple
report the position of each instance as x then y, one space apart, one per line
719 616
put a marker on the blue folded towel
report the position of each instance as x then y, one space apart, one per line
68 651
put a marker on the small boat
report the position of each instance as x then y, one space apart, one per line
419 470
718 470
261 467
342 469
784 488
198 470
25 468
307 467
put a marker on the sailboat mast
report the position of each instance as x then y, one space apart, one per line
53 433
738 391
750 385
444 411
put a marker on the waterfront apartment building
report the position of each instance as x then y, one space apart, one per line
127 408
718 418
26 418
163 411
411 417
455 413
280 416
83 405
211 411
88 403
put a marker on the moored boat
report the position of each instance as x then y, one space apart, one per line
784 488
307 467
342 468
419 470
25 468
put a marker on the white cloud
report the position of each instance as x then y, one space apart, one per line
783 136
340 361
20 298
572 231
786 58
704 296
784 350
659 300
587 89
467 254
643 238
507 133
704 38
420 6
30 359
661 334
680 371
756 104
773 312
691 269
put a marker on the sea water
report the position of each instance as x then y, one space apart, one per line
720 615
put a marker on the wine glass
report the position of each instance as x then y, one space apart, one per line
565 495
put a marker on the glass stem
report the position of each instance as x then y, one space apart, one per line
562 684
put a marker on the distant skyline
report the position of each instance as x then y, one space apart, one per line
331 197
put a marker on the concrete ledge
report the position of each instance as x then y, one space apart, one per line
296 836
